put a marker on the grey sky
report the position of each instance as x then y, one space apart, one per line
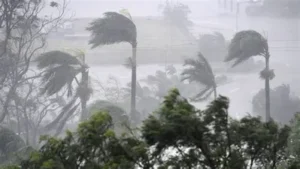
95 8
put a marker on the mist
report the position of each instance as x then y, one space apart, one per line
63 63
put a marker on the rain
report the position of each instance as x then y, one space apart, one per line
66 64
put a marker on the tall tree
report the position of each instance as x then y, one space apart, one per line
116 28
249 43
23 35
61 70
209 138
206 138
200 71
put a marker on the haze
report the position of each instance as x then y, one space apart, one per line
61 63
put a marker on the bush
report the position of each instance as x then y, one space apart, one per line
283 104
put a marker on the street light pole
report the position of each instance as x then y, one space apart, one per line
237 11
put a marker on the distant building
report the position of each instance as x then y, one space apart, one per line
158 42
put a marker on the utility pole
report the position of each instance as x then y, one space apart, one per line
232 4
237 12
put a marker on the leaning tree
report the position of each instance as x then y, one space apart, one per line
60 71
24 32
246 44
116 28
200 71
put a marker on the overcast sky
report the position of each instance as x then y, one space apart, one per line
95 8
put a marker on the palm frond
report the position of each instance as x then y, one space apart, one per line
199 70
203 95
56 78
112 28
207 65
246 44
201 77
55 57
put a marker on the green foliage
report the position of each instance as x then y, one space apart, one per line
293 142
112 28
211 139
119 116
11 167
93 145
197 138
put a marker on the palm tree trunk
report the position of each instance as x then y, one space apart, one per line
215 92
84 97
133 82
267 90
83 109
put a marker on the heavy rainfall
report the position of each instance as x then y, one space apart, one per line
149 84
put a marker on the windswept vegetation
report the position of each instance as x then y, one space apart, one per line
56 114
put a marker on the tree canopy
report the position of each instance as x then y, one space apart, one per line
112 28
176 135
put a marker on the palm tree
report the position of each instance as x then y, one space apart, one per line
116 28
200 71
60 71
249 43
146 98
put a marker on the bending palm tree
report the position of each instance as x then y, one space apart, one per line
61 70
116 28
200 71
243 46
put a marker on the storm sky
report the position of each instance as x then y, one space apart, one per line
94 8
